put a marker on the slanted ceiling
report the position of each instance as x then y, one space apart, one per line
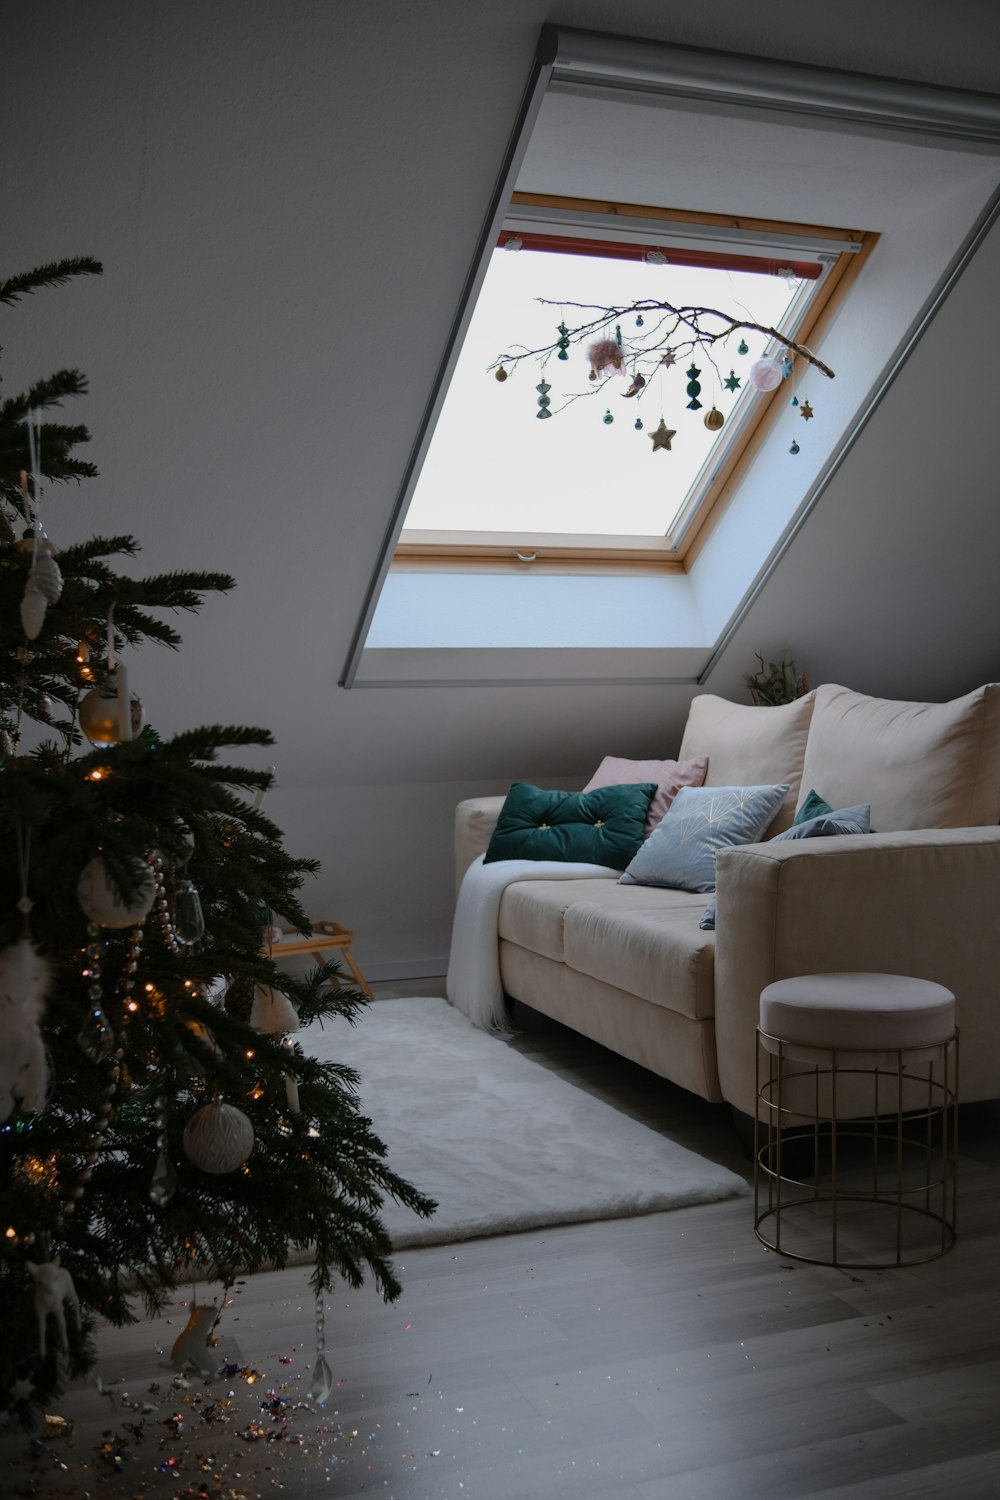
286 199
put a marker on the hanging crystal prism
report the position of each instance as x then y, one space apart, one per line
189 920
163 1184
95 1037
322 1382
322 1378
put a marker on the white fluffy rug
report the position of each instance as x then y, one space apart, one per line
501 1142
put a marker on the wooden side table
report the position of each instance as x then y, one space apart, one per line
326 937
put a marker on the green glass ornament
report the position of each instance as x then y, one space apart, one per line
544 403
693 389
563 341
744 347
638 424
608 419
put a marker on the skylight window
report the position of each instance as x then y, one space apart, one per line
613 467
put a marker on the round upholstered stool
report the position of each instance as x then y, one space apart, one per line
857 1124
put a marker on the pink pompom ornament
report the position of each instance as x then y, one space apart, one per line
607 357
765 374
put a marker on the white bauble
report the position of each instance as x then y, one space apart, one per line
218 1138
102 903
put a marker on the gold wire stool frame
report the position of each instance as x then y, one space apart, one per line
927 1129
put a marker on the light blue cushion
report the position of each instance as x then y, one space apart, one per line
680 852
826 825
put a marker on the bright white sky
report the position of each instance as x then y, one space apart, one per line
493 465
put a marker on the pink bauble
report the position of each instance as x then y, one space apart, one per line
765 374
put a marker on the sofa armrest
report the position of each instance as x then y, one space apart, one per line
475 820
922 903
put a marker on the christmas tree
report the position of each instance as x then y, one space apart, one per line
157 1121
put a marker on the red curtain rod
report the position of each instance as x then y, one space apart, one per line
806 270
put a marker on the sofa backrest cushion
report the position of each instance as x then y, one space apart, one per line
749 746
919 765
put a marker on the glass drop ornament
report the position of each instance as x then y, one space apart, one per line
638 424
98 715
95 1038
322 1382
744 347
189 920
163 1183
608 419
794 447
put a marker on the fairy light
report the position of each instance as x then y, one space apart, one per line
11 1233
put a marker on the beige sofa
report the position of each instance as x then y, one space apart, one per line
629 966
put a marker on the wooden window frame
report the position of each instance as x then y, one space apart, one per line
547 552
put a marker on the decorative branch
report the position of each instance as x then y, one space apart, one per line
646 350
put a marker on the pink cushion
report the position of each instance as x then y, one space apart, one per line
669 775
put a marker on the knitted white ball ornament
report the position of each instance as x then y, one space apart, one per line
218 1138
103 904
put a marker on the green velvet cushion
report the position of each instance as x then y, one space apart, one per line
813 807
602 827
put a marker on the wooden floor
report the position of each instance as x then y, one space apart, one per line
669 1357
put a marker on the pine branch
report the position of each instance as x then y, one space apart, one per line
54 274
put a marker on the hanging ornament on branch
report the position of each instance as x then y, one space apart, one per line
24 979
218 1138
110 714
675 331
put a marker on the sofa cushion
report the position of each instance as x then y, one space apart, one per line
681 851
669 775
604 827
532 912
748 746
654 951
919 765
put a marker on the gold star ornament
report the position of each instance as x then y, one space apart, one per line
805 410
661 436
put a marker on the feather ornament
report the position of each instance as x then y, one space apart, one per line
272 1013
46 577
33 607
607 357
24 1069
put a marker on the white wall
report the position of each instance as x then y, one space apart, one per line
267 184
